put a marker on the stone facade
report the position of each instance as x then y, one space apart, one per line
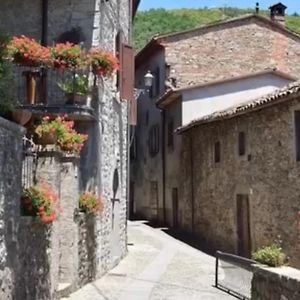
10 191
267 173
231 48
105 154
275 284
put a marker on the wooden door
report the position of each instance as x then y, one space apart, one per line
175 207
243 226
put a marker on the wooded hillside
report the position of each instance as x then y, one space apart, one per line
161 21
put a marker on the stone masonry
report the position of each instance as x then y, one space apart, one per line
230 48
239 47
268 173
275 283
10 189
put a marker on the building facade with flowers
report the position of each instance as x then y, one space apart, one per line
73 82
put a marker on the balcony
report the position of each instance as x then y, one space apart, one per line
49 92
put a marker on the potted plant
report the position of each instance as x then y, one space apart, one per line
89 203
68 56
27 52
76 89
40 201
60 132
46 132
103 63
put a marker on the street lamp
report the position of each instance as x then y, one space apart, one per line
148 79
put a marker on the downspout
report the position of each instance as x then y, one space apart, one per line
44 42
44 37
192 183
163 116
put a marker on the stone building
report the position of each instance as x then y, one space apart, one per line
75 250
227 54
240 173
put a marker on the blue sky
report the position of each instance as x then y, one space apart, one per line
293 5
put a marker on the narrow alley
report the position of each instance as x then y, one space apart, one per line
157 267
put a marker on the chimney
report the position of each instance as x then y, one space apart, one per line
257 8
277 13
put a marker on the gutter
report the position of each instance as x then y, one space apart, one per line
192 183
163 116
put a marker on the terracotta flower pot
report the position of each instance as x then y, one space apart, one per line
46 139
21 116
76 99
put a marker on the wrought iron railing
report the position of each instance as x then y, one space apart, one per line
234 274
29 163
40 86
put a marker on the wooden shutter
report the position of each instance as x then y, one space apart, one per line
127 85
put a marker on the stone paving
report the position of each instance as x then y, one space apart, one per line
157 267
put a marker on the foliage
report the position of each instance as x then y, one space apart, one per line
78 84
102 62
90 203
160 21
272 256
40 201
69 56
67 137
27 52
7 97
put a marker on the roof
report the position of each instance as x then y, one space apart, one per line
284 94
171 95
159 39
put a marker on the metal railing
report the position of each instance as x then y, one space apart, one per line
29 163
39 86
234 274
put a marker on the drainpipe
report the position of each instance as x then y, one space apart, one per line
44 42
192 183
44 37
163 152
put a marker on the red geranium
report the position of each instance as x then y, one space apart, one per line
28 52
68 55
103 63
40 201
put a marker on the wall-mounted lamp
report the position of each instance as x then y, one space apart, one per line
148 79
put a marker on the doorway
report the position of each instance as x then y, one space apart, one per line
243 226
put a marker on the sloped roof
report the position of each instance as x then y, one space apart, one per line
173 94
284 94
159 39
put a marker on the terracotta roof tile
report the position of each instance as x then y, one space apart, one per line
267 100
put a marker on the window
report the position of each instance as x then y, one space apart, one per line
242 143
217 152
171 133
153 140
297 134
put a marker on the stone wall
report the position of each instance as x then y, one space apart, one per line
275 284
10 190
86 249
227 50
268 173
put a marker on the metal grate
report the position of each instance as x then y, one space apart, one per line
234 274
29 163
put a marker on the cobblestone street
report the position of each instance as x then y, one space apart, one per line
157 267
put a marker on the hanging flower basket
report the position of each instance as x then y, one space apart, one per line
103 63
27 52
89 203
40 201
